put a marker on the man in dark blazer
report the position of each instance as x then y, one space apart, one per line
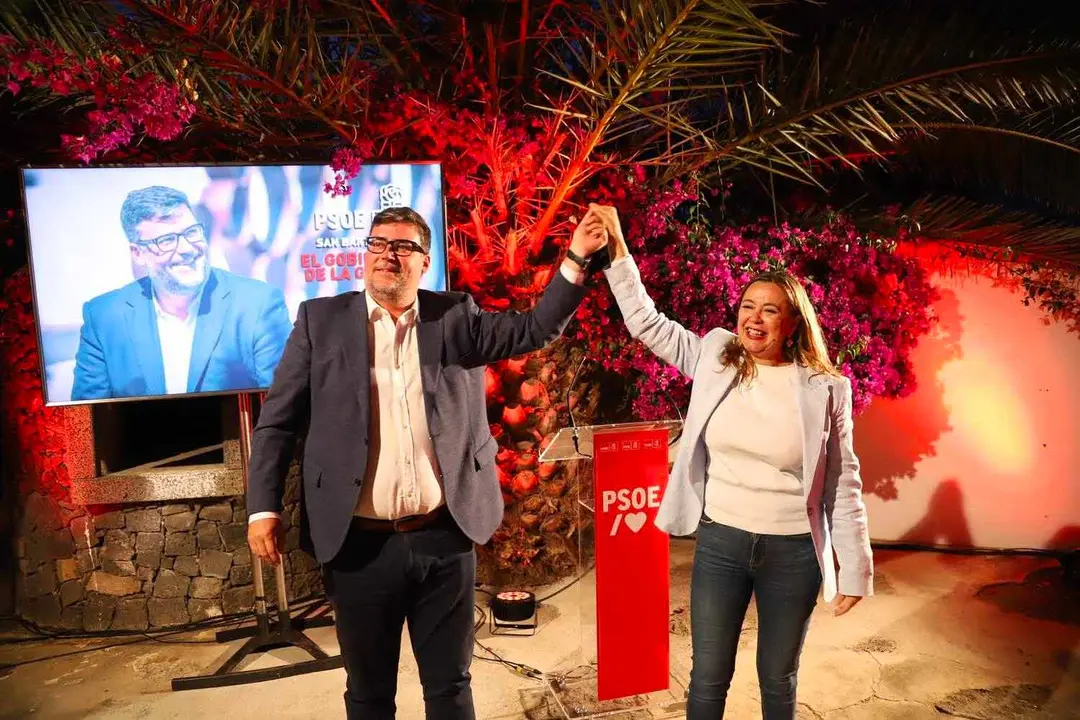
399 480
183 328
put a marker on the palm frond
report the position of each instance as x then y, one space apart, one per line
1011 164
862 83
244 61
961 220
623 60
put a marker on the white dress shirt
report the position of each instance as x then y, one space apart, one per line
402 476
176 336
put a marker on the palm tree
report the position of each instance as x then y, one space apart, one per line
966 120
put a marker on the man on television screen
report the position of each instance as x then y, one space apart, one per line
184 328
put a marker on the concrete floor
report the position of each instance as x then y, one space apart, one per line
947 635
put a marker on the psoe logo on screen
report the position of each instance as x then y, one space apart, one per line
629 506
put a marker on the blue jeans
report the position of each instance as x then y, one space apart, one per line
782 573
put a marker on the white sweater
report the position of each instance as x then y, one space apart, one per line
755 456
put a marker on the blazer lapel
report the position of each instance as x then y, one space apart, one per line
354 344
813 394
717 391
208 325
429 345
143 332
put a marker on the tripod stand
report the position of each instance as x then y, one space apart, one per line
286 632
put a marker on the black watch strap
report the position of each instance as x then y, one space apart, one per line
581 262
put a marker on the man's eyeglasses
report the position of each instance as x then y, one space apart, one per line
167 244
400 248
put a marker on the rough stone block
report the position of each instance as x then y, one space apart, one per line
233 536
109 584
71 592
306 585
181 522
238 600
302 562
205 587
44 611
240 575
40 514
150 543
214 563
67 569
98 612
40 583
131 614
148 520
187 565
204 609
118 567
110 520
119 545
150 560
45 546
171 585
221 513
292 538
180 544
87 560
84 531
167 612
209 537
72 618
242 556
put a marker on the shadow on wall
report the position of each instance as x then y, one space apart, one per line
892 436
1067 542
1067 539
945 522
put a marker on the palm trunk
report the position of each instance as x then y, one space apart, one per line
527 404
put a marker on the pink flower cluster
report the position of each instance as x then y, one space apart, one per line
346 163
873 303
125 104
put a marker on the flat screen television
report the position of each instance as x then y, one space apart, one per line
165 281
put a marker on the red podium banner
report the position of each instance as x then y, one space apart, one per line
630 470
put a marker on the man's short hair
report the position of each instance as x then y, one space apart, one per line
408 216
149 203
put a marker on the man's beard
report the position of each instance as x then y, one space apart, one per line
167 281
389 290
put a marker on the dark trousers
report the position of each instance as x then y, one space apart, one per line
379 581
730 565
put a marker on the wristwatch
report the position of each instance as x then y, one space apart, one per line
581 262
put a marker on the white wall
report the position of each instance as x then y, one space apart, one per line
986 452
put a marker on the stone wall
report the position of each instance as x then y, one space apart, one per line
146 566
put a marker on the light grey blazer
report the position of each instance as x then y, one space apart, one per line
831 482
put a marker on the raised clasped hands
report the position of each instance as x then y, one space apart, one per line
590 234
609 217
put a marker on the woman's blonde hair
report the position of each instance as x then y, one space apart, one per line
805 347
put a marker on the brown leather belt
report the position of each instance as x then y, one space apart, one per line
405 524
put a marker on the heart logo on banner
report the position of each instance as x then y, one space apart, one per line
635 521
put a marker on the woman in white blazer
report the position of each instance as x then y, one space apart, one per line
765 474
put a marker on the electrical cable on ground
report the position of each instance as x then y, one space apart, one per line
134 636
